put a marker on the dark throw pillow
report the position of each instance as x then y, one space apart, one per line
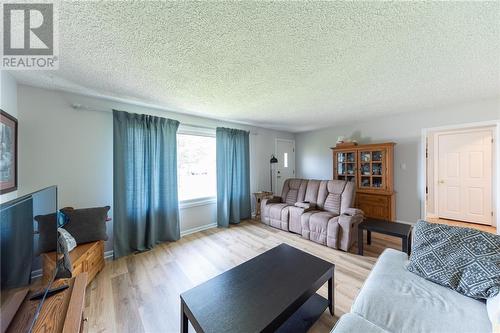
86 224
463 259
47 228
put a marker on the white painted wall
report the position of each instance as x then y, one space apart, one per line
74 150
314 158
8 103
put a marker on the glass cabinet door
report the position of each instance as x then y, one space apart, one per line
341 169
371 169
346 166
365 158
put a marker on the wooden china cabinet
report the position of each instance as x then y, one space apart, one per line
370 166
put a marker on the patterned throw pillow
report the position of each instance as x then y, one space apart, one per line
465 260
68 239
64 268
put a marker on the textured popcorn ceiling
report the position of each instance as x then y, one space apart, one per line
285 65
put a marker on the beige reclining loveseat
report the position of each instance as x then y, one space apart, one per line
319 210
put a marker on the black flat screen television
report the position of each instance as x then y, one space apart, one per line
21 267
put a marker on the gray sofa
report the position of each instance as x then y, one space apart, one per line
396 300
319 210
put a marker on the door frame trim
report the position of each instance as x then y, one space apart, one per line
495 126
275 179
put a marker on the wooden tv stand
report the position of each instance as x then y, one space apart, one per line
85 258
60 313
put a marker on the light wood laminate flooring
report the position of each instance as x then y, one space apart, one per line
140 293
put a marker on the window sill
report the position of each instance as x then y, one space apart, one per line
197 202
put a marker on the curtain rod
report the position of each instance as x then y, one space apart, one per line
78 106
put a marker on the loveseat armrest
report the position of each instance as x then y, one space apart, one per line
273 199
264 208
353 212
305 205
294 218
349 229
300 210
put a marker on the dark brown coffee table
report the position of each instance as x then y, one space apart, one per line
273 292
396 229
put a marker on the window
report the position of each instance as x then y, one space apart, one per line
196 166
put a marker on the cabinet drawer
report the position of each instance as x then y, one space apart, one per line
95 260
376 206
95 264
78 269
85 258
372 199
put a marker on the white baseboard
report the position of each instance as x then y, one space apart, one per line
108 255
406 222
200 228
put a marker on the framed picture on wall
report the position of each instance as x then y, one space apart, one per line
8 153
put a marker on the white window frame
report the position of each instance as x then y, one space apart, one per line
197 131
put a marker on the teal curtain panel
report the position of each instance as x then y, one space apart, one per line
233 176
146 207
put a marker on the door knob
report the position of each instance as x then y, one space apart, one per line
441 182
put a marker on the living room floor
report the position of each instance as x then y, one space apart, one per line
140 293
487 228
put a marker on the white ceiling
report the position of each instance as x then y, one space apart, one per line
286 65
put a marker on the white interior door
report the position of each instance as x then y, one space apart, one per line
285 168
465 176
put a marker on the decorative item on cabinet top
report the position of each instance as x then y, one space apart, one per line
370 166
343 142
